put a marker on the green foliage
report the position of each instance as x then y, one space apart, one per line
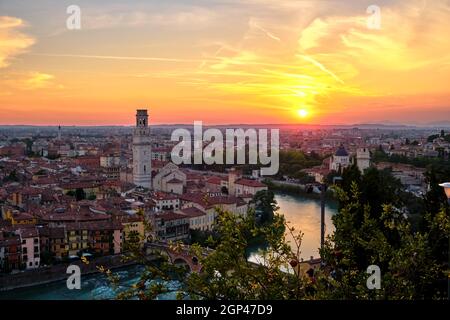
227 274
265 206
12 177
92 197
432 137
408 268
204 238
293 161
70 193
80 194
420 162
378 187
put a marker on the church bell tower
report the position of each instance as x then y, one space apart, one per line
142 164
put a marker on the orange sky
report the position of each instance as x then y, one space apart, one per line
249 61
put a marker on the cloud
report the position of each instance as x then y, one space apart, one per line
39 80
28 81
12 42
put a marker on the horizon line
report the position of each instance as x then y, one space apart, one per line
238 124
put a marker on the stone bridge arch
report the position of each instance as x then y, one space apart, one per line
182 257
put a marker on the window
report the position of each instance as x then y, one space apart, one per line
30 264
25 250
36 240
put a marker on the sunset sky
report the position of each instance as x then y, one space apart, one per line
225 61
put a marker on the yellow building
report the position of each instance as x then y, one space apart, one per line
20 218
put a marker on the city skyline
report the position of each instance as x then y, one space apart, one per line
225 62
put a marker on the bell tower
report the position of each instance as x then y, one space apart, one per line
142 164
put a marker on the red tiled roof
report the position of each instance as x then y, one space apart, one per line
215 180
192 212
158 195
169 216
28 232
250 183
208 201
22 216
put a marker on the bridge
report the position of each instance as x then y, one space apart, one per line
181 255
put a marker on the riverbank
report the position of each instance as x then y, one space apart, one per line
55 273
297 189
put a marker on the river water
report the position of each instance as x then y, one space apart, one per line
301 212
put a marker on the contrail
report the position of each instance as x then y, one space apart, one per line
321 67
267 33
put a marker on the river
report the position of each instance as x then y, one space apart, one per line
301 212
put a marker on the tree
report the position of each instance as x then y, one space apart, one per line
80 194
70 193
432 137
437 211
224 190
12 176
349 175
265 205
408 268
92 197
293 161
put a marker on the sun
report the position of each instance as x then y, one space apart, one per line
302 113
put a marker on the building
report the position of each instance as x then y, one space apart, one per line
109 161
30 247
53 241
248 187
170 226
98 237
142 171
340 160
10 251
161 154
20 218
133 226
211 203
216 184
363 159
239 186
198 219
165 201
170 179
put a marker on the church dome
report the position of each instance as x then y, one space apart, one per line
341 152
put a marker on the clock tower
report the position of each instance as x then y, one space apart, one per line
142 163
